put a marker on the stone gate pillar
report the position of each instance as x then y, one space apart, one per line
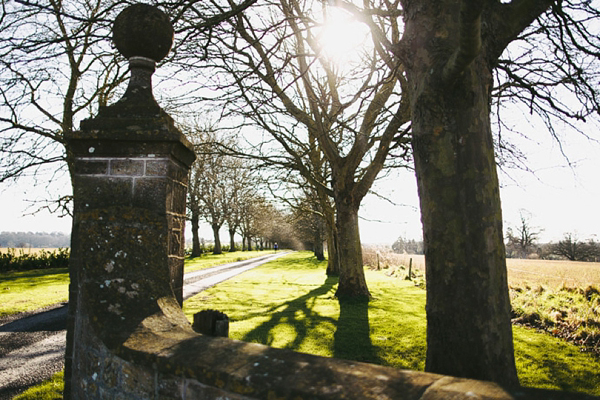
130 166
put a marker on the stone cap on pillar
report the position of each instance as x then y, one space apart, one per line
144 35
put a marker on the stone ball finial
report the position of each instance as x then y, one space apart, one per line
142 30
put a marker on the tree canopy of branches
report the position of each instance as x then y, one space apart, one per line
336 128
55 68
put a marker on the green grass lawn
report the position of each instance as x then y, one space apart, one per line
210 260
289 303
31 290
52 389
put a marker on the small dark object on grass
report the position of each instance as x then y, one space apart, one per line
211 323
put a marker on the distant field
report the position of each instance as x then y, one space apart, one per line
553 272
540 272
28 250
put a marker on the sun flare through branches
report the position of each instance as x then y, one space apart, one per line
342 38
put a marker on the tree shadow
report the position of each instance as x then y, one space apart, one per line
352 339
297 313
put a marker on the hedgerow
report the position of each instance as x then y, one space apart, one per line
21 261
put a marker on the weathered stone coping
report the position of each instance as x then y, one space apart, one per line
255 371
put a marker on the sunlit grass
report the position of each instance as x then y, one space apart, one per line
52 389
544 361
289 303
30 290
211 260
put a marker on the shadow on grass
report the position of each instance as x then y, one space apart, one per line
297 313
352 338
546 362
36 276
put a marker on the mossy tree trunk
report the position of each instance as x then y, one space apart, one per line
352 283
333 261
468 310
449 55
319 238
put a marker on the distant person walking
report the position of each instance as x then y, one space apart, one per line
275 246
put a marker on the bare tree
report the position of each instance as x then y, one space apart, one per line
214 184
55 68
250 208
309 222
271 73
313 213
575 250
521 243
241 184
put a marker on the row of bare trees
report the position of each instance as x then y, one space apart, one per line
332 127
425 88
226 190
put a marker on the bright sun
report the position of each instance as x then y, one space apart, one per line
342 37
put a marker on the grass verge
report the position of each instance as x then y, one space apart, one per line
51 389
30 290
570 313
289 303
211 260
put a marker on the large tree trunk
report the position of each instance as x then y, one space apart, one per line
352 284
468 311
231 240
196 249
217 248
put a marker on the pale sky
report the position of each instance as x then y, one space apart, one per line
557 198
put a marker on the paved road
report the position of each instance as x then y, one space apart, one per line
32 345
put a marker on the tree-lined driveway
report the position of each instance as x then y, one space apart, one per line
32 344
